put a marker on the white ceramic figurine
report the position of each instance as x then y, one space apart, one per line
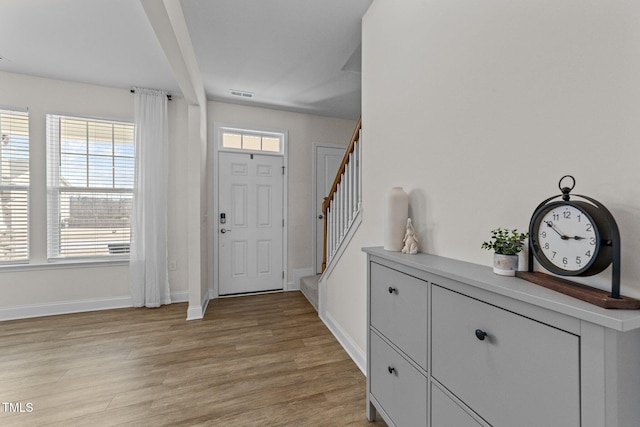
410 240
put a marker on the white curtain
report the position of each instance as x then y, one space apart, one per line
148 257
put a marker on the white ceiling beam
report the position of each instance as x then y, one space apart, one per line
170 27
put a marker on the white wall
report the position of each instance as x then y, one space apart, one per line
75 288
44 290
304 130
478 108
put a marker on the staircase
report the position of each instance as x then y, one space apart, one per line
309 288
342 214
341 208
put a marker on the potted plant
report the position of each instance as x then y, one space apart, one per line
506 245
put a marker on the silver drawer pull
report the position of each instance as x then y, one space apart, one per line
391 369
480 334
392 290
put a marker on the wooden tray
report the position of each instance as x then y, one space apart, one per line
582 292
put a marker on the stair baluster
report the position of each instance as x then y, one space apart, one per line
344 201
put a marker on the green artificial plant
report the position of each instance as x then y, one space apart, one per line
506 242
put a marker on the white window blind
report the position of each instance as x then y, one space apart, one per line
90 173
14 186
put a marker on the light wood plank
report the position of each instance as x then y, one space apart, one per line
252 361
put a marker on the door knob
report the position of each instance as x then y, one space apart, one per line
480 334
223 230
320 216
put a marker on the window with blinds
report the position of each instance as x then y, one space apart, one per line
14 186
90 174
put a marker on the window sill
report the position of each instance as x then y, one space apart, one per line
63 264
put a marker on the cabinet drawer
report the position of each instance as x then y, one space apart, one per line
399 310
400 388
523 373
446 413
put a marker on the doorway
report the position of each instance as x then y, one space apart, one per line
327 160
250 213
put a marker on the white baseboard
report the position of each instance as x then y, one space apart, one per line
179 297
79 306
297 275
65 307
197 312
346 342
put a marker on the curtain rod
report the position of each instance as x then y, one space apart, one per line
168 95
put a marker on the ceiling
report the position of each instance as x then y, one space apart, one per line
295 55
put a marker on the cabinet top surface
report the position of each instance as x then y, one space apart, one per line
483 277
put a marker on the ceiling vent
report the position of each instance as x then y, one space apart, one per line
241 93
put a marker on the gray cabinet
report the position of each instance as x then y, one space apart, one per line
452 344
397 311
498 363
447 413
399 387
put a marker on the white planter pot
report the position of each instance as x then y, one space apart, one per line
505 265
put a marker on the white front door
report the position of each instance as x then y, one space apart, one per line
250 223
328 161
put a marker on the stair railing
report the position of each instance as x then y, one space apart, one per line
344 201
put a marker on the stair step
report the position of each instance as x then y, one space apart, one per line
309 288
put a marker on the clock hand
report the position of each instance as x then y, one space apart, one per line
553 226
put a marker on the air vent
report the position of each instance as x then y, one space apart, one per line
241 93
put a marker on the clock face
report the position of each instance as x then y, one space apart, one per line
567 239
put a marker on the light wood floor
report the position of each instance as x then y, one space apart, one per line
264 360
